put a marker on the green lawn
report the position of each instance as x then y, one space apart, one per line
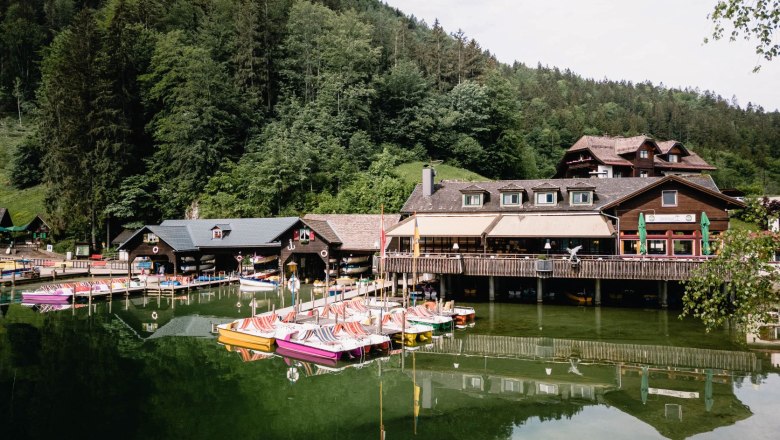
412 173
22 204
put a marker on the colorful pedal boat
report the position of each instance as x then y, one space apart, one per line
256 333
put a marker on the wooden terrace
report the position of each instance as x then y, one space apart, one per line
557 266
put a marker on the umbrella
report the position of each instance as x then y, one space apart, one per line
645 384
705 234
642 234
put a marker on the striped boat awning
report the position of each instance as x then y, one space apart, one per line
506 225
552 226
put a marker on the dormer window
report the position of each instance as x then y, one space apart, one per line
546 198
674 158
644 154
151 238
581 198
472 200
643 173
216 234
511 199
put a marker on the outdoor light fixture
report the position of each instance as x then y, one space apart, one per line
455 247
547 247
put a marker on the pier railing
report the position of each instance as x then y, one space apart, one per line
592 267
552 348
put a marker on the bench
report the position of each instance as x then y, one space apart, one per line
96 257
99 264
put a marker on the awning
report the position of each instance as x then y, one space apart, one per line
444 226
552 226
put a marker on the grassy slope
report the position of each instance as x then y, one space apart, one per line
412 173
22 204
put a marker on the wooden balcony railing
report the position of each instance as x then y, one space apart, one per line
592 267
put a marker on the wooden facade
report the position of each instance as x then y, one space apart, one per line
159 251
311 255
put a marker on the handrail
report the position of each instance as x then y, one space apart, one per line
554 256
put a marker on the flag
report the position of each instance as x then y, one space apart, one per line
382 235
416 240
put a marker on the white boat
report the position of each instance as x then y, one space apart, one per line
256 284
354 270
262 260
345 281
356 259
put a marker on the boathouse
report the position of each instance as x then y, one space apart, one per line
516 239
341 244
205 245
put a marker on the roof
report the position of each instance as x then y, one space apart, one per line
245 232
123 236
665 146
472 189
618 144
177 237
699 182
506 225
355 232
448 198
691 162
511 186
608 150
323 230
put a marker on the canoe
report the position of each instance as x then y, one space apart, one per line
580 300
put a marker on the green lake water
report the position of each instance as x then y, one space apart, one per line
141 368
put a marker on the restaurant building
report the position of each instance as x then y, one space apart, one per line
529 228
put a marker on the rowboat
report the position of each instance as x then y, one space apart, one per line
357 259
256 284
579 299
354 270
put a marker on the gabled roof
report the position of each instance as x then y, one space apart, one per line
356 232
618 144
511 186
246 232
223 227
665 146
683 180
472 189
177 237
581 186
323 230
123 236
448 199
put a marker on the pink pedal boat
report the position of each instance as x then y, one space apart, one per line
62 295
323 343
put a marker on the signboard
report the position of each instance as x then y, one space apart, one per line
82 250
674 393
49 248
670 218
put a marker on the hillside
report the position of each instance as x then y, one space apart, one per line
281 107
24 204
411 173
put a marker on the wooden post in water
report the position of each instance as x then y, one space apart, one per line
89 299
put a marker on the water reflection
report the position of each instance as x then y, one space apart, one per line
528 371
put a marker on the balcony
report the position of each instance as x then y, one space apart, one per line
588 267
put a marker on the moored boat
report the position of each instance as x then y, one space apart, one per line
58 295
356 259
257 284
409 333
258 332
354 269
421 315
579 299
319 342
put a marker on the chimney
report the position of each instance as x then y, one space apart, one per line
428 174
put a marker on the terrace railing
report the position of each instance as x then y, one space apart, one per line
554 266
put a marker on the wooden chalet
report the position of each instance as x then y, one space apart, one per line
524 229
638 156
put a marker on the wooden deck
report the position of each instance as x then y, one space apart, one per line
555 267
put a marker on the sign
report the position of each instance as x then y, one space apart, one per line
49 248
82 250
670 218
674 393
239 258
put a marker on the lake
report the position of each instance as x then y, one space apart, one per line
147 367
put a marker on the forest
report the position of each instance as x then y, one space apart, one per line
151 109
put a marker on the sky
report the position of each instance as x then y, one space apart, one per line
657 40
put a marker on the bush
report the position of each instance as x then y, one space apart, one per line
65 245
26 164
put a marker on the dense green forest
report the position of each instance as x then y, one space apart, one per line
152 109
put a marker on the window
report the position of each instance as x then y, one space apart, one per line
472 199
668 198
630 247
510 199
674 158
151 238
216 234
643 173
683 247
545 198
656 247
644 154
581 198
